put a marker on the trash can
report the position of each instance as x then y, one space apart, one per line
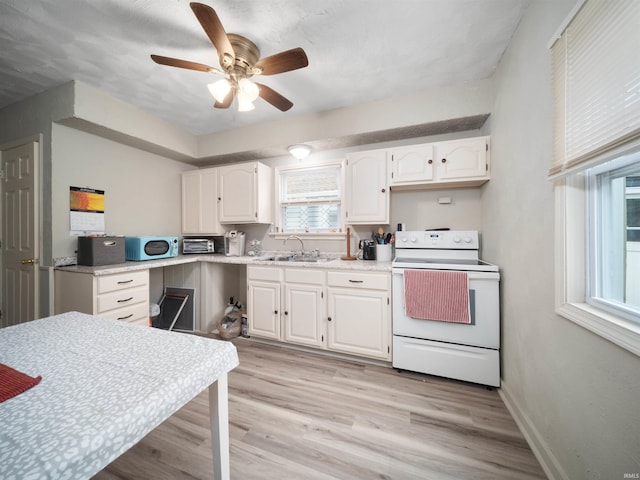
230 325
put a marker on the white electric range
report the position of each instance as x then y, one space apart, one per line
469 352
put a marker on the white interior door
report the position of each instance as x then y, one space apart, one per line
20 234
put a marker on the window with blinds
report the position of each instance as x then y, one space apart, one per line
596 82
310 200
596 169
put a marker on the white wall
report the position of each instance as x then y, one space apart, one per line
431 105
142 190
418 209
574 393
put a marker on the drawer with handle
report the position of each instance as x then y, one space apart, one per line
138 313
120 281
111 301
370 280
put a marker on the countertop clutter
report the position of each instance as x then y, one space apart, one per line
331 261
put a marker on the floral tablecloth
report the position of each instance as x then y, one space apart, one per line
105 385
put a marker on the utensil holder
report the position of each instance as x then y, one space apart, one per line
383 253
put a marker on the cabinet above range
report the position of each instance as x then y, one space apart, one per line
454 163
371 175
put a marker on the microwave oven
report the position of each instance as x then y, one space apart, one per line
150 248
203 245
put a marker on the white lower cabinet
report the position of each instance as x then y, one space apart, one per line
263 301
359 313
304 307
121 296
343 311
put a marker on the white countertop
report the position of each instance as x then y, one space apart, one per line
331 263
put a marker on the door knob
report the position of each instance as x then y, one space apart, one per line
29 261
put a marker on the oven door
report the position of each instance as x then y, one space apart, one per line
484 330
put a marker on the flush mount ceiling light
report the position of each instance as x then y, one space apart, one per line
239 61
300 151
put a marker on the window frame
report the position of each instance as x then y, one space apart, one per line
279 171
572 219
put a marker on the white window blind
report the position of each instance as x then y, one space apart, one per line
596 82
310 200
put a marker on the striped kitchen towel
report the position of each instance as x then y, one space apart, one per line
13 382
437 295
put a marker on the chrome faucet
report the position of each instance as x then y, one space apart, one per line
296 238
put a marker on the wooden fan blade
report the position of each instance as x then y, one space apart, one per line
274 98
176 62
212 26
283 62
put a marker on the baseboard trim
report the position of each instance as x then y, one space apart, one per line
539 446
319 351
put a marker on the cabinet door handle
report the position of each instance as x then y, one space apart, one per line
275 312
329 318
286 313
430 162
444 160
356 281
383 190
122 282
124 318
125 300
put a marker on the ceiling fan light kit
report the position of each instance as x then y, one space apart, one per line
244 104
300 151
240 60
220 89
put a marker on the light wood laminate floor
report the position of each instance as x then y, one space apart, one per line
299 415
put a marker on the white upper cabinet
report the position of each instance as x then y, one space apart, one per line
463 159
200 202
366 190
245 193
455 163
411 164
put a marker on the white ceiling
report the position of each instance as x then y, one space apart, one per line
358 50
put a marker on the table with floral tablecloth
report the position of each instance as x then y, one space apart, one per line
105 385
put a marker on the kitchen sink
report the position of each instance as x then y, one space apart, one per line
294 258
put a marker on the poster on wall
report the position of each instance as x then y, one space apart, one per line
86 213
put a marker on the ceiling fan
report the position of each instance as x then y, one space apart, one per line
239 60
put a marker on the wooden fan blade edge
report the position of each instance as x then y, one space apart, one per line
212 26
274 98
283 62
177 62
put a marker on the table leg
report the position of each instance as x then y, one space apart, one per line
219 417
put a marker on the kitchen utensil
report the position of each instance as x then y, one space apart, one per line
387 239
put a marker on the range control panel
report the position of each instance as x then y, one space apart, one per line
441 239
